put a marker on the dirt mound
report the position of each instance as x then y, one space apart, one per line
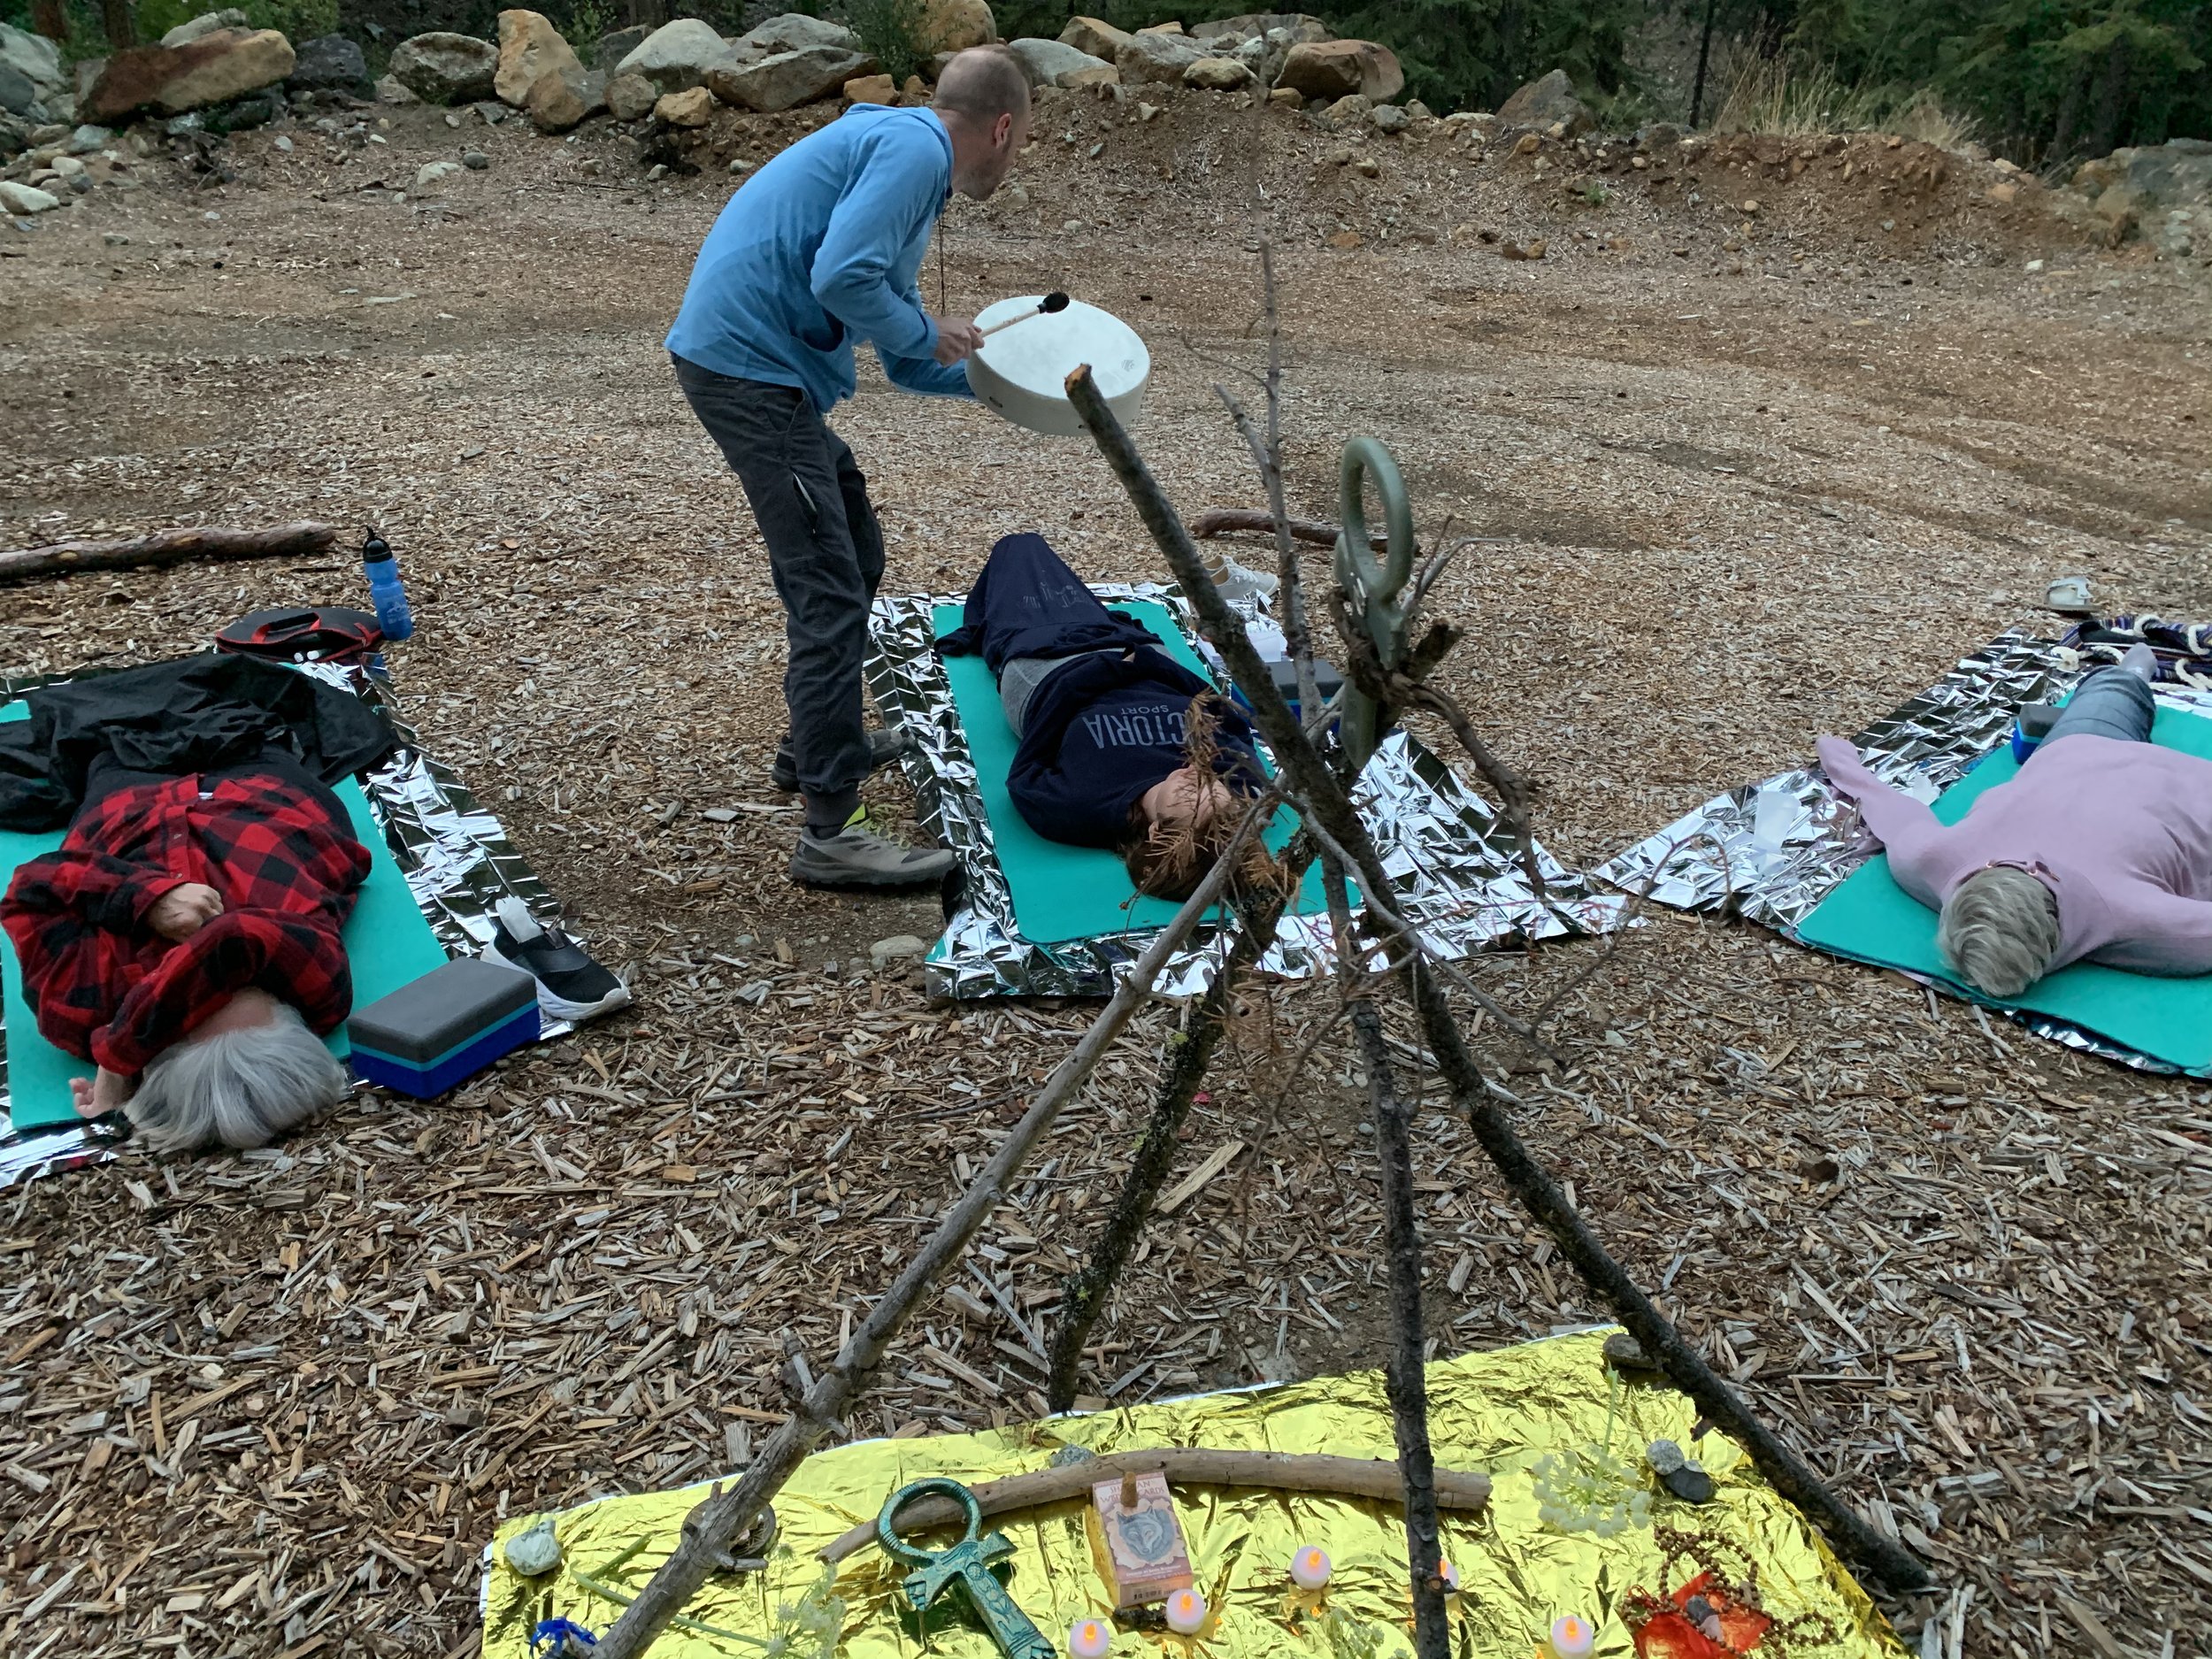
1103 166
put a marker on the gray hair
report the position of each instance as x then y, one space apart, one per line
238 1088
1999 929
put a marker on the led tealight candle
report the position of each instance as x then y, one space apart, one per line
1309 1569
1186 1612
1572 1638
1450 1576
1089 1639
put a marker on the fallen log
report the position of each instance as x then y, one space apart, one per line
209 542
1287 1471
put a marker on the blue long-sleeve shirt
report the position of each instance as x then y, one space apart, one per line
820 248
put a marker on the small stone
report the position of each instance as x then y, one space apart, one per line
1286 98
1388 118
1527 144
1417 111
475 160
1073 225
692 107
88 140
1344 239
115 239
26 199
2034 266
1352 107
1215 74
895 948
1147 111
740 166
533 1551
1623 1351
656 171
283 143
392 89
1367 167
1665 1456
1751 206
1688 1483
872 89
431 172
67 167
630 97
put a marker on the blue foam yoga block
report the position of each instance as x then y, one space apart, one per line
444 1028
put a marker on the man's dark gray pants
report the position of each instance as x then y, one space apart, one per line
826 553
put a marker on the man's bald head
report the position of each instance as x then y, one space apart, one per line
982 84
983 100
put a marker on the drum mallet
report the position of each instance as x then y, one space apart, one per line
1055 301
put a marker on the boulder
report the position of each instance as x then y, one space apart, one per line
953 26
441 68
1264 55
1104 75
1348 110
694 107
1175 27
679 55
1146 58
20 95
392 89
1546 103
32 57
1216 74
617 45
194 29
872 89
26 199
1333 69
213 69
630 97
1100 39
1045 62
329 63
530 48
1299 25
792 32
790 78
559 102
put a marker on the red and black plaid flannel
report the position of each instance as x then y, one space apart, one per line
107 989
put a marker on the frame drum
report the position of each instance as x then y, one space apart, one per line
1021 371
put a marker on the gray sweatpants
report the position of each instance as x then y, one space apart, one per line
825 554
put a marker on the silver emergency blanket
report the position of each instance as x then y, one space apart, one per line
1772 851
1453 872
455 857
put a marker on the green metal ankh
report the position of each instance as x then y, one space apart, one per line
967 1563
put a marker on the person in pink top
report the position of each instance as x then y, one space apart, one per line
2099 850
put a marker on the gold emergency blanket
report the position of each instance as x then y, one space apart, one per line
1499 1412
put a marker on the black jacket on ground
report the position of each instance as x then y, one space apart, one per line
1101 732
197 714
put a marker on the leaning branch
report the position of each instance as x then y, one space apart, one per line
1531 1183
210 543
1183 1465
728 1515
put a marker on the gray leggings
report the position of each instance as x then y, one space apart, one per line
2111 702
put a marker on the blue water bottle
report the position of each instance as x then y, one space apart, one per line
385 591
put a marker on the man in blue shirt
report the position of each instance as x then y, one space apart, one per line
820 248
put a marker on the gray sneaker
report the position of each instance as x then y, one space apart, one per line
884 747
859 856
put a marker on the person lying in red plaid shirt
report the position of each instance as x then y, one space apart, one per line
185 940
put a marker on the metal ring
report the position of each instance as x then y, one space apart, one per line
936 1485
1378 583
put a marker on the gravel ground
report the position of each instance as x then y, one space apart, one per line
1760 473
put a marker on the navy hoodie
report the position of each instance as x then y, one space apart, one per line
1101 732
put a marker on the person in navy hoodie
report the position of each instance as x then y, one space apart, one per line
819 248
1103 716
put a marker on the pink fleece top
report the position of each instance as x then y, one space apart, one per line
2120 833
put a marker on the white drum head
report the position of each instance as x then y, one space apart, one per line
1021 372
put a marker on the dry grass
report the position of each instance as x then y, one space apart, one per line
1796 97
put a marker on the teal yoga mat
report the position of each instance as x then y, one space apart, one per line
388 942
1869 916
1062 892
